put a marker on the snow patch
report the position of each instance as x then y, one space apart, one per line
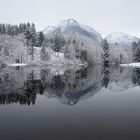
131 65
17 64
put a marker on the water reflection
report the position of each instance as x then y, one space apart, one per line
68 85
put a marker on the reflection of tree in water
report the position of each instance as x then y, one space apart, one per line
16 90
82 73
57 84
136 76
44 74
16 98
22 85
73 85
30 88
69 86
106 76
68 81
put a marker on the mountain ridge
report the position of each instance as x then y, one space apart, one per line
71 27
121 38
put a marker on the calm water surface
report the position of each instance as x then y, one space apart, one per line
93 103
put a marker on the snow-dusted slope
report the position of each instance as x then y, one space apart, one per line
71 28
122 39
134 65
121 47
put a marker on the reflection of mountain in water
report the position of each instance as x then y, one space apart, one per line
120 79
73 86
21 85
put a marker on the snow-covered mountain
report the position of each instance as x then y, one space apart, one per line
121 47
121 39
71 28
87 39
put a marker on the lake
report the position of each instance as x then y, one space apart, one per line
70 103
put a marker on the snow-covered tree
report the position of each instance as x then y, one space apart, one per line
136 51
44 55
105 53
33 35
41 39
31 39
58 43
11 49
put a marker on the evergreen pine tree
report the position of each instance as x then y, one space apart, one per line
58 43
106 77
44 54
1 28
31 39
41 39
4 29
106 53
136 51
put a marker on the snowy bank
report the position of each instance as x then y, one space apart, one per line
131 65
49 63
17 64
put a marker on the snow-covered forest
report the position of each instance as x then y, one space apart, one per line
23 44
67 43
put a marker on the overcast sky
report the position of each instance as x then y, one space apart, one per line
103 15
